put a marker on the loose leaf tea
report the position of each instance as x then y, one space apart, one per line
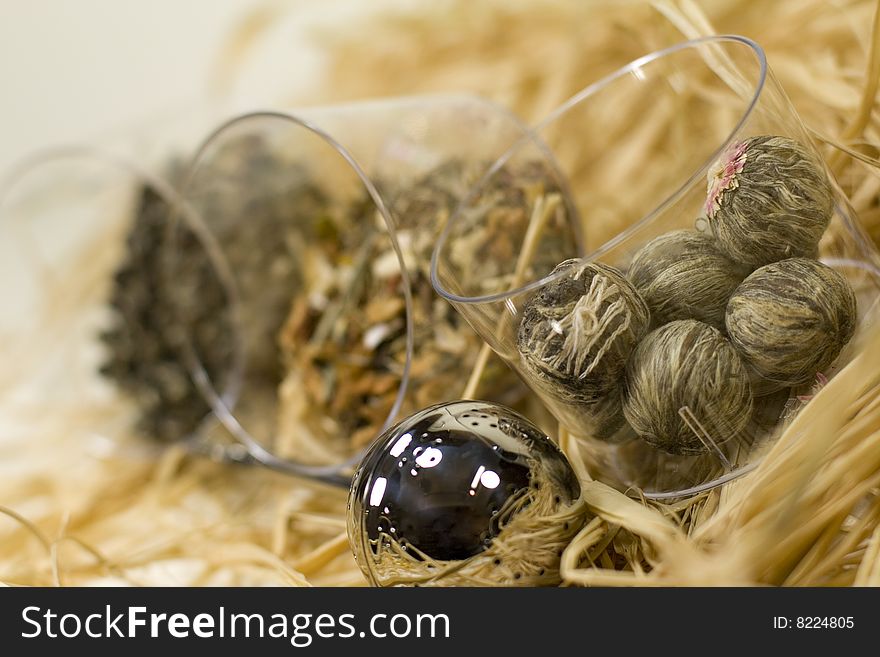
260 212
343 344
149 327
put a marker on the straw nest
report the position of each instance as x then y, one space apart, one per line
76 508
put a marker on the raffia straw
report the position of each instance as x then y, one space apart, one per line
57 568
571 447
868 573
322 555
543 209
860 121
27 524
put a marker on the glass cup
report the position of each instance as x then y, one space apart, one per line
323 222
645 151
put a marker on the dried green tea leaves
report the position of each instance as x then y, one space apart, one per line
152 320
790 319
686 387
576 335
768 199
260 212
684 275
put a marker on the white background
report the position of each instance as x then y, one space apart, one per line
75 70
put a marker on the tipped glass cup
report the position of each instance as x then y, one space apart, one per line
323 221
635 149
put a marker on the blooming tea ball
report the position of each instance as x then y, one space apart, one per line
790 319
578 331
464 493
768 199
685 384
683 275
598 418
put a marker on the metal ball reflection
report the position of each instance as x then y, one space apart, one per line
463 493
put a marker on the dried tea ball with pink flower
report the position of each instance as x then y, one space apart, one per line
683 275
578 331
686 388
790 320
768 199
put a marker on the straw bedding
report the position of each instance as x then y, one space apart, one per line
115 510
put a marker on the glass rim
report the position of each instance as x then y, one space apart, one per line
223 409
534 136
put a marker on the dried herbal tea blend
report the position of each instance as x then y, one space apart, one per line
488 238
768 199
790 320
344 347
340 379
686 387
683 275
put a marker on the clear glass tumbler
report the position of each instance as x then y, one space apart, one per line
311 214
647 151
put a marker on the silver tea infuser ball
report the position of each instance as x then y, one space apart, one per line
464 493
